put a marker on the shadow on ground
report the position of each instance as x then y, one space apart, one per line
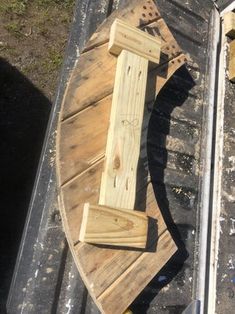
24 113
159 128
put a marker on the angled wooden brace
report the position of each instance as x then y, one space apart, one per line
113 221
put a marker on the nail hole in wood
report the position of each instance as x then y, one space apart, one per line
150 14
128 70
144 15
127 184
144 7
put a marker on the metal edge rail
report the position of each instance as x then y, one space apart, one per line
201 292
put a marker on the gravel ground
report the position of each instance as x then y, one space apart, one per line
33 36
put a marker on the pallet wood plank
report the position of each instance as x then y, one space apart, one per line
130 282
78 154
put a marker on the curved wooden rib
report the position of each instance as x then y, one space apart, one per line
113 277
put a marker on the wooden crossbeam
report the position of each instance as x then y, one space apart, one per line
129 38
103 225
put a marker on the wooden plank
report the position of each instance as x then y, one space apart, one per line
135 277
76 153
99 63
104 225
231 69
137 13
229 24
124 36
86 186
118 182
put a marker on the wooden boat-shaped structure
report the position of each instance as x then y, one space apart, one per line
114 277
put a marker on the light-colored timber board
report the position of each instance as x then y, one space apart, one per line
136 13
98 273
98 62
118 182
124 36
109 226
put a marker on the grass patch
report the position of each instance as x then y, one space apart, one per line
54 61
62 3
14 28
17 7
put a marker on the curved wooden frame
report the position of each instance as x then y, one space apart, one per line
113 277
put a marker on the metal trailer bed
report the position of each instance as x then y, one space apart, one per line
45 278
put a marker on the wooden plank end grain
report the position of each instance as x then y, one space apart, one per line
125 36
118 227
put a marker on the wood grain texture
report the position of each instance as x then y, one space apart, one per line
229 24
118 183
97 262
231 67
118 227
139 274
80 162
98 62
124 36
137 13
77 153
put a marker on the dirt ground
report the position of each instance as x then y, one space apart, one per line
33 37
